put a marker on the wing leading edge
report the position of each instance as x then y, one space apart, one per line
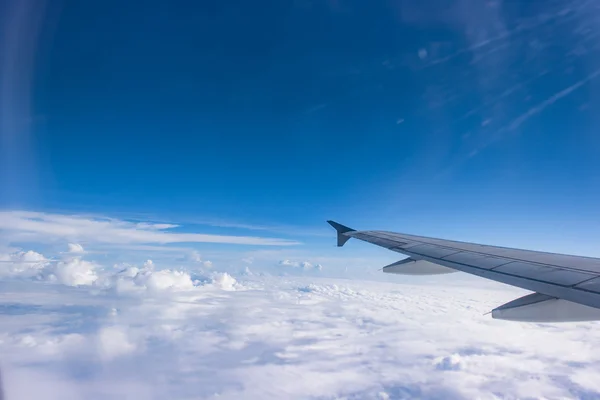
567 288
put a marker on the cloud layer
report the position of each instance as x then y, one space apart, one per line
146 333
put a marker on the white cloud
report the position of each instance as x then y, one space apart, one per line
38 226
551 100
75 248
152 226
449 363
144 332
134 279
305 265
349 339
22 263
167 280
113 342
75 272
195 256
224 281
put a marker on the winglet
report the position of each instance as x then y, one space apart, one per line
341 230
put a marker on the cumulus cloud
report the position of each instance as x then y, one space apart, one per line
449 363
71 271
74 272
196 258
147 278
166 279
38 226
305 265
75 248
224 281
22 263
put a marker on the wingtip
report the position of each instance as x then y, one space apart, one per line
341 230
339 227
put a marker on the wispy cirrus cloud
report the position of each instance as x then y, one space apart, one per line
39 226
322 230
167 221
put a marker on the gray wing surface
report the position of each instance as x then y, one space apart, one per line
552 276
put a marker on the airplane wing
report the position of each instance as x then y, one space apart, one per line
566 288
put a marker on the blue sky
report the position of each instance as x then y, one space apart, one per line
464 120
167 168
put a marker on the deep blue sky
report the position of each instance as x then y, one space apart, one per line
425 116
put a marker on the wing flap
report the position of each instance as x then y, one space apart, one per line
593 285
